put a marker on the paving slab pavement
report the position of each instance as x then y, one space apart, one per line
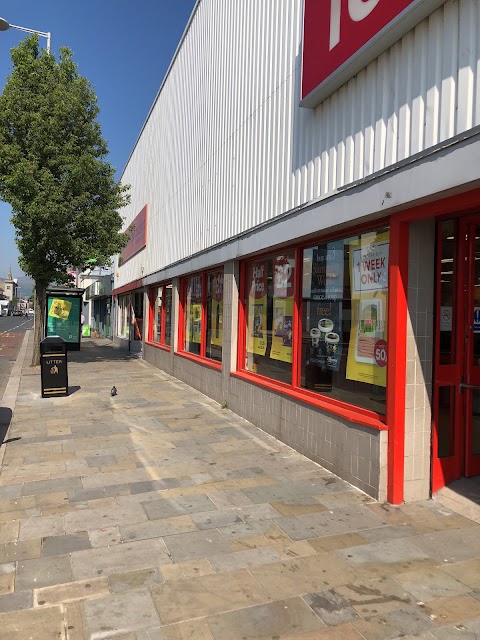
158 515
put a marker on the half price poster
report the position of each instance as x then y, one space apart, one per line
283 305
257 308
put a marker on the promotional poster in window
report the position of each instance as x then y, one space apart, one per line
283 305
194 304
367 352
217 309
325 307
257 308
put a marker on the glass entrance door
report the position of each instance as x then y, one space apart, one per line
456 435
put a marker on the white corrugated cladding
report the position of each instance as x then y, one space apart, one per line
226 146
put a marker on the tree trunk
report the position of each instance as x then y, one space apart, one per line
40 291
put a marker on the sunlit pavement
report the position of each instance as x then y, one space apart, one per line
157 515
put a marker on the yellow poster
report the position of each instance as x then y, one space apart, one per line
60 309
282 329
217 322
367 351
257 309
283 305
217 309
194 326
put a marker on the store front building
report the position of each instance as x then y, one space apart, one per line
312 255
98 305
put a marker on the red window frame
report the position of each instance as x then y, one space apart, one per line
152 294
203 358
353 413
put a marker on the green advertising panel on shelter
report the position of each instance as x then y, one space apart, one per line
63 315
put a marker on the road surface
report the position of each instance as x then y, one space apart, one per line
12 330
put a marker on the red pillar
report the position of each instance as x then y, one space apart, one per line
397 358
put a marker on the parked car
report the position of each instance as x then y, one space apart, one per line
31 312
17 312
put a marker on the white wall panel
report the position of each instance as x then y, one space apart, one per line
226 146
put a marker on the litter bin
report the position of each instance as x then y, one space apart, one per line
53 366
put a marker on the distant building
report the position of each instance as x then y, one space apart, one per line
9 286
97 301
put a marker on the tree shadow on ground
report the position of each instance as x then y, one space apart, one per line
100 351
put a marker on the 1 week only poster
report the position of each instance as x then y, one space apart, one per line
367 352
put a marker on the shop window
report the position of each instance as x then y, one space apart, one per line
137 315
341 306
123 316
214 312
202 304
193 314
344 319
161 318
269 315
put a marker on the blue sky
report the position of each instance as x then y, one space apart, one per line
122 47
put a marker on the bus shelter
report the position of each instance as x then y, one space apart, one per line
64 315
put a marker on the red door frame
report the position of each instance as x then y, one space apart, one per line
151 313
472 379
397 356
446 469
461 462
398 314
470 227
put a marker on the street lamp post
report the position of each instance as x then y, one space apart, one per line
4 25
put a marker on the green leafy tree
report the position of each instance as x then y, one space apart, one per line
53 171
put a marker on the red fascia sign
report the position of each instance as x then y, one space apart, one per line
138 236
340 37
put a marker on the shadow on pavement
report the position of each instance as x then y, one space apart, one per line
72 389
468 488
100 351
5 419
